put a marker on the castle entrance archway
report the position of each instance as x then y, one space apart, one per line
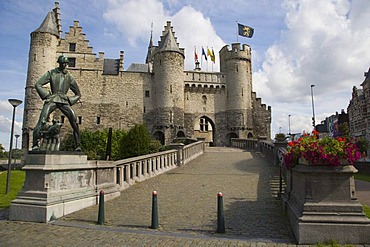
158 135
229 136
204 128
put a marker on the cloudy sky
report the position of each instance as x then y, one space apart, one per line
296 43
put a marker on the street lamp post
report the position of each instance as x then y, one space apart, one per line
16 147
14 103
313 108
289 122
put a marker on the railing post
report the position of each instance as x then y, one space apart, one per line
180 152
259 142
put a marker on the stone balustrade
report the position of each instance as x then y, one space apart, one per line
244 143
192 151
140 168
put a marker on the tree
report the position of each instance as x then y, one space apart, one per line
2 151
137 142
344 130
362 144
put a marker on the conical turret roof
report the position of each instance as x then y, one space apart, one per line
168 40
49 25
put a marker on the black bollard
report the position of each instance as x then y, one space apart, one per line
220 214
101 208
155 223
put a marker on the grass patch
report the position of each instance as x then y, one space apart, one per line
366 210
16 182
362 176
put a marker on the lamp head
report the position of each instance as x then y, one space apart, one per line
15 102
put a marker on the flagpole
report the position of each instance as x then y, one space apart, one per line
237 40
207 58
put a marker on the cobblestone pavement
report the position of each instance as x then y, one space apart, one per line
187 202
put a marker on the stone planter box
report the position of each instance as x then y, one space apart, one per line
322 206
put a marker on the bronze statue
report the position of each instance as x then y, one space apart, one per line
60 82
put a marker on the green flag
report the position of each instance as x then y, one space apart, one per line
245 31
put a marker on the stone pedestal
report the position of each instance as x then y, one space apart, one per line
59 183
322 206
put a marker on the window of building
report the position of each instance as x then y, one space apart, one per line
203 124
62 119
72 46
72 62
97 120
79 119
147 94
204 99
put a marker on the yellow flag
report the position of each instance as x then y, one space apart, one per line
211 54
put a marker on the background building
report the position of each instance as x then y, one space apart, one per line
359 109
172 102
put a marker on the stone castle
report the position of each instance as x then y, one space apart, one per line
170 101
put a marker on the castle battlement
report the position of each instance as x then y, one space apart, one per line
204 77
236 51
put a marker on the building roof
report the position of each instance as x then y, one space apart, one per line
168 43
138 67
49 25
111 66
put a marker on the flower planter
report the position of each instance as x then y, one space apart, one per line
321 204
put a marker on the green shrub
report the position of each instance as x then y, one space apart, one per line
137 141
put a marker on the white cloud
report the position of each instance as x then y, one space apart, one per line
326 44
133 20
190 26
197 32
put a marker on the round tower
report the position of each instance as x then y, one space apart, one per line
42 57
236 63
168 69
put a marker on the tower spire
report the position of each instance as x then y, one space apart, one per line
149 55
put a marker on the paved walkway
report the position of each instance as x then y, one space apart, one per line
187 201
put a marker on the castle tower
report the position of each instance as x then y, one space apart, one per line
236 63
168 69
42 57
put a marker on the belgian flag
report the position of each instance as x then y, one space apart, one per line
245 31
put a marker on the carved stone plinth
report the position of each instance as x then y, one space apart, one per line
59 183
322 206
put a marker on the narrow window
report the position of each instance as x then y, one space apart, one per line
62 119
79 120
170 88
203 124
204 98
72 62
72 46
97 120
147 94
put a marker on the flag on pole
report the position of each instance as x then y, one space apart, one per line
211 54
195 54
245 31
204 53
214 57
